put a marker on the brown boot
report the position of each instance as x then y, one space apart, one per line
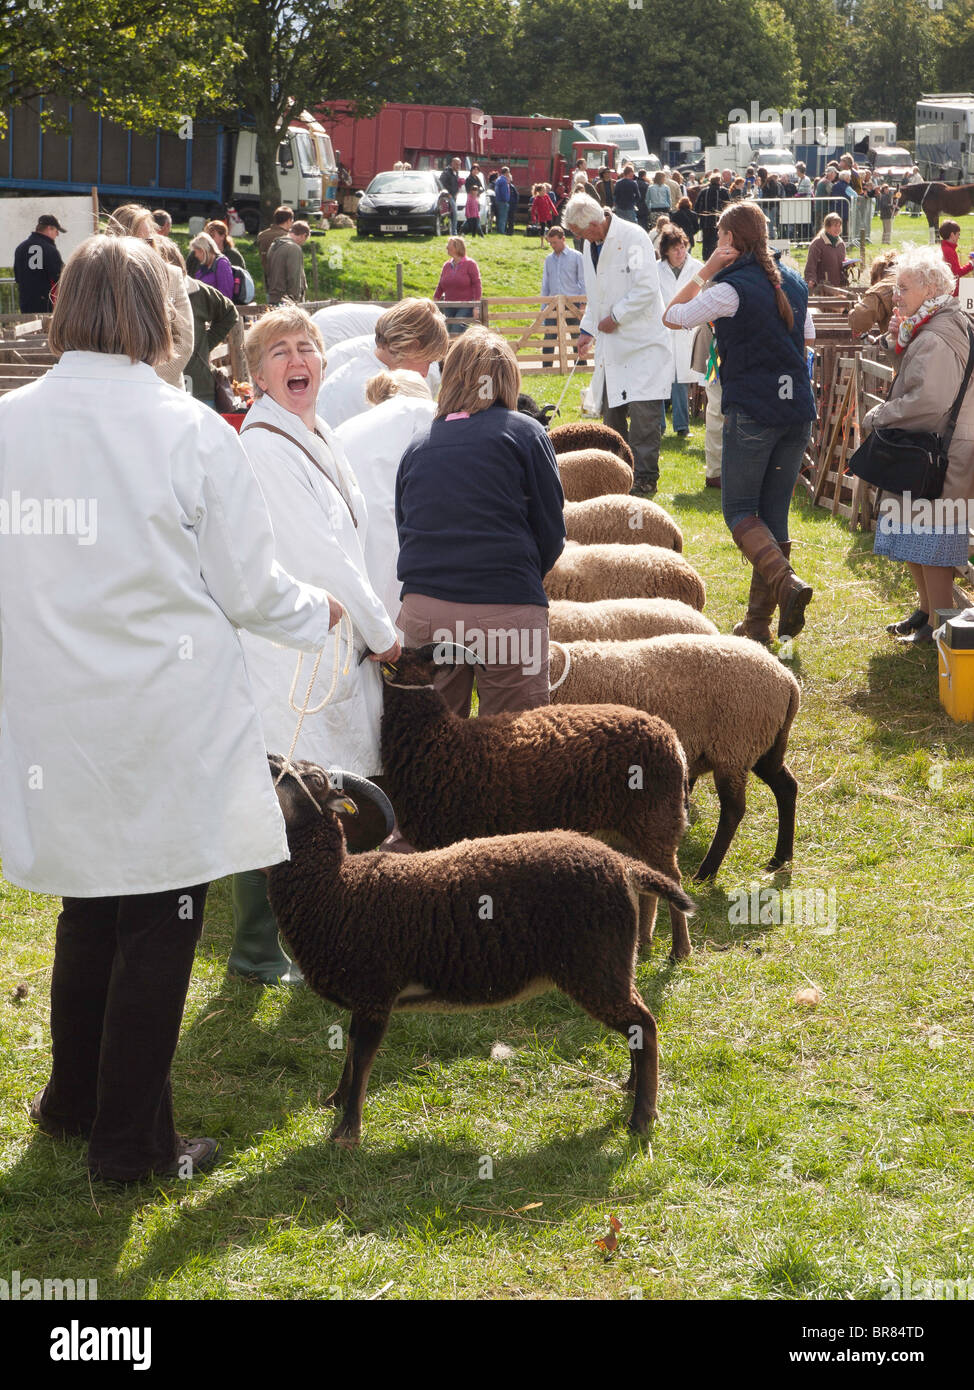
760 611
791 594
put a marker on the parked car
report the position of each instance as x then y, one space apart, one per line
781 163
890 163
404 201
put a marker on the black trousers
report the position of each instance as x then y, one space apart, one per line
121 973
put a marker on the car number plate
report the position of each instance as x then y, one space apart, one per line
393 227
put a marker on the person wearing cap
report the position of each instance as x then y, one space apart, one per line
37 266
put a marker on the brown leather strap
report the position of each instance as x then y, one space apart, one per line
262 425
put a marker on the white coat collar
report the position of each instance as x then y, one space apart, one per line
94 365
266 408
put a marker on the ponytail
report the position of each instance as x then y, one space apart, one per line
748 229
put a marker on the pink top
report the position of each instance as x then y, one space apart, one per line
473 205
459 280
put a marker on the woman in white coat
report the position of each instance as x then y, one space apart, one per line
132 766
320 522
374 442
633 367
411 336
135 220
676 269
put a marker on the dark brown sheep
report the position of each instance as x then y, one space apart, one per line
590 434
601 769
482 923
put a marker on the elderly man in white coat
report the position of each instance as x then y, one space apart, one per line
132 766
320 522
402 410
624 315
411 336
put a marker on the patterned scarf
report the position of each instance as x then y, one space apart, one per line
923 315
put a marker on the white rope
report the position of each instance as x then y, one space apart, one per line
568 665
344 625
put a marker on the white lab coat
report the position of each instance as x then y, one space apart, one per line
343 351
131 755
681 339
340 321
374 443
315 533
634 362
342 393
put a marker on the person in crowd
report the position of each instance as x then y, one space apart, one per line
914 176
823 189
726 178
623 317
704 370
129 831
224 243
750 180
402 409
875 308
474 183
459 280
769 192
471 225
212 266
450 183
134 220
687 220
674 183
321 522
605 187
803 184
479 512
38 266
759 310
710 203
512 213
657 200
214 320
642 207
625 195
826 254
676 268
285 266
543 210
886 207
949 239
502 199
928 332
844 194
163 222
563 273
337 322
410 336
280 226
737 189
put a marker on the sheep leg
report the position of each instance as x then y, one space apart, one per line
730 793
782 782
339 1095
365 1035
680 944
640 1034
647 917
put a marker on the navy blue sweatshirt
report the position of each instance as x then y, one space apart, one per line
479 510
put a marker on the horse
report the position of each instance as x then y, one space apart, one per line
937 198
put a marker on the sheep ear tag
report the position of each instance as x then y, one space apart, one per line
341 804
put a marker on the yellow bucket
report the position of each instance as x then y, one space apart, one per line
956 671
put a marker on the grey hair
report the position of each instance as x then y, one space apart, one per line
582 211
926 266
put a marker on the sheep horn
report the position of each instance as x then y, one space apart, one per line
431 650
361 786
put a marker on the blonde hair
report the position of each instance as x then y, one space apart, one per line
222 228
113 297
413 328
385 385
169 251
124 221
284 320
204 243
480 370
456 241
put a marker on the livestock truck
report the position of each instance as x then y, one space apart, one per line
199 169
945 136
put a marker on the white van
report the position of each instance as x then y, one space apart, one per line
297 171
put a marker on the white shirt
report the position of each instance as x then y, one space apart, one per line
719 301
338 322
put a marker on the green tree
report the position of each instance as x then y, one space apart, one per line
896 55
956 68
821 37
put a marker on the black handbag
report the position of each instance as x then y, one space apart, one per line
913 461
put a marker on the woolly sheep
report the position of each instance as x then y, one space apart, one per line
623 619
730 701
590 434
378 932
589 573
600 769
527 405
613 520
593 473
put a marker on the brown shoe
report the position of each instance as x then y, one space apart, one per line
55 1129
791 594
711 482
760 611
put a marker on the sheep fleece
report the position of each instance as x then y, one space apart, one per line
589 573
590 434
621 521
623 619
593 473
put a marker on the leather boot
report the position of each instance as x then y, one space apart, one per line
760 611
791 594
256 952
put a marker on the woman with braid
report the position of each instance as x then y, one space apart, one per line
760 315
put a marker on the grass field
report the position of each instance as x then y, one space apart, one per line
801 1152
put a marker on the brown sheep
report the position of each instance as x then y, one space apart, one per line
730 701
590 434
623 619
613 520
593 473
589 573
482 923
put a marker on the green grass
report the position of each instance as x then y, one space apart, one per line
800 1152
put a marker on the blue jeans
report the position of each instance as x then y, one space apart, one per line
453 216
456 328
759 468
679 404
628 214
502 211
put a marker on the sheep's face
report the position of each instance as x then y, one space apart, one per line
418 665
527 405
296 803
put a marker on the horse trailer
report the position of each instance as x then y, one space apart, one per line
945 136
